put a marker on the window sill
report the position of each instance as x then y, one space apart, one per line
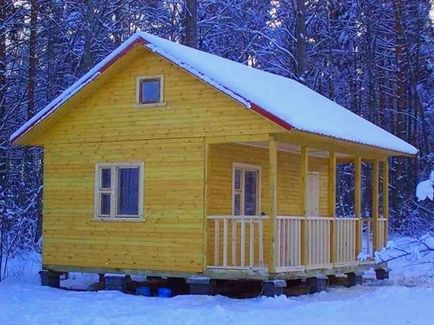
100 219
162 105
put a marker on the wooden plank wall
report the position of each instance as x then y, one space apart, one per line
222 157
108 127
168 238
193 109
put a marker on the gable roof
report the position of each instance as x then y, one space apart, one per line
284 101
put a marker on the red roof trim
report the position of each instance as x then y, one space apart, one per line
273 118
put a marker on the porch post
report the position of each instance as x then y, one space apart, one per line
358 203
332 204
386 198
272 185
304 160
375 183
205 206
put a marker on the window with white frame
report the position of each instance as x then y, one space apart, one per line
119 190
150 90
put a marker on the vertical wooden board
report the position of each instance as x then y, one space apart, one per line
386 198
332 204
272 187
321 166
332 185
375 196
206 163
313 194
358 202
357 186
306 235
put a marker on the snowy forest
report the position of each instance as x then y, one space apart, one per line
374 57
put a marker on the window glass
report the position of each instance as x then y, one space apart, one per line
128 191
250 184
106 174
105 204
237 204
150 91
237 181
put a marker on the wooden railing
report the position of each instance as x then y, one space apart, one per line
318 241
382 233
345 239
288 243
367 237
238 241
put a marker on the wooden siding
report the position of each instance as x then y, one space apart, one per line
193 109
222 156
104 125
168 238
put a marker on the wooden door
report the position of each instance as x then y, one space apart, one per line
313 194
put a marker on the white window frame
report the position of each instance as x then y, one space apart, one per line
148 77
114 190
241 191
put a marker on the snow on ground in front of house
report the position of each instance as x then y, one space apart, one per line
32 304
404 299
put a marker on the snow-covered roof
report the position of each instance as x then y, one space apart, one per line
282 100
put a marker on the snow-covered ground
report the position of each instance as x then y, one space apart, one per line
406 298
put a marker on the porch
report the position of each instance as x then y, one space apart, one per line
271 207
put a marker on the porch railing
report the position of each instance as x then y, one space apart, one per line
238 241
367 237
345 239
318 241
288 243
367 228
382 231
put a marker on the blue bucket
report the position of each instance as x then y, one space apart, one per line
144 291
164 292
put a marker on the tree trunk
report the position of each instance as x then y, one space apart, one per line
86 59
401 92
191 24
300 30
3 157
33 61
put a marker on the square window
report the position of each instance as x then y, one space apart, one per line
150 90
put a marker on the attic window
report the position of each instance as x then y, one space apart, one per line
150 90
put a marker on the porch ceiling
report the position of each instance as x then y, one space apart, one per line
287 147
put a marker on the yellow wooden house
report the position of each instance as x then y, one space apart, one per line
168 161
